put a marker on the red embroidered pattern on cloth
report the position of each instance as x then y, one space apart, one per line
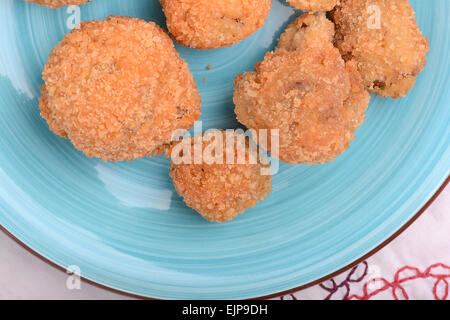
438 272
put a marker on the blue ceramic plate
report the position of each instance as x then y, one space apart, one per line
126 228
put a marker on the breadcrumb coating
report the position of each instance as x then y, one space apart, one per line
211 24
313 5
118 89
391 54
307 30
46 113
58 3
306 91
221 192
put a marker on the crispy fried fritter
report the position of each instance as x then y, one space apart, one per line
385 40
58 3
314 5
306 91
118 89
307 30
217 190
210 24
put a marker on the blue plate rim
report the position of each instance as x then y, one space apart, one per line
375 250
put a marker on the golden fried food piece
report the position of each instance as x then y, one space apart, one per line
307 30
313 5
306 91
385 40
58 3
210 24
220 190
118 89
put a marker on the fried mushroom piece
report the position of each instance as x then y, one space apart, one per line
313 5
306 91
58 3
118 89
383 37
217 188
211 24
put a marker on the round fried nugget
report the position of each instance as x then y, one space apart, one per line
58 3
210 24
385 40
314 5
118 89
307 92
217 188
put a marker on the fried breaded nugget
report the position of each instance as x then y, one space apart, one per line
210 24
307 31
385 40
217 190
118 89
314 5
306 91
58 3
